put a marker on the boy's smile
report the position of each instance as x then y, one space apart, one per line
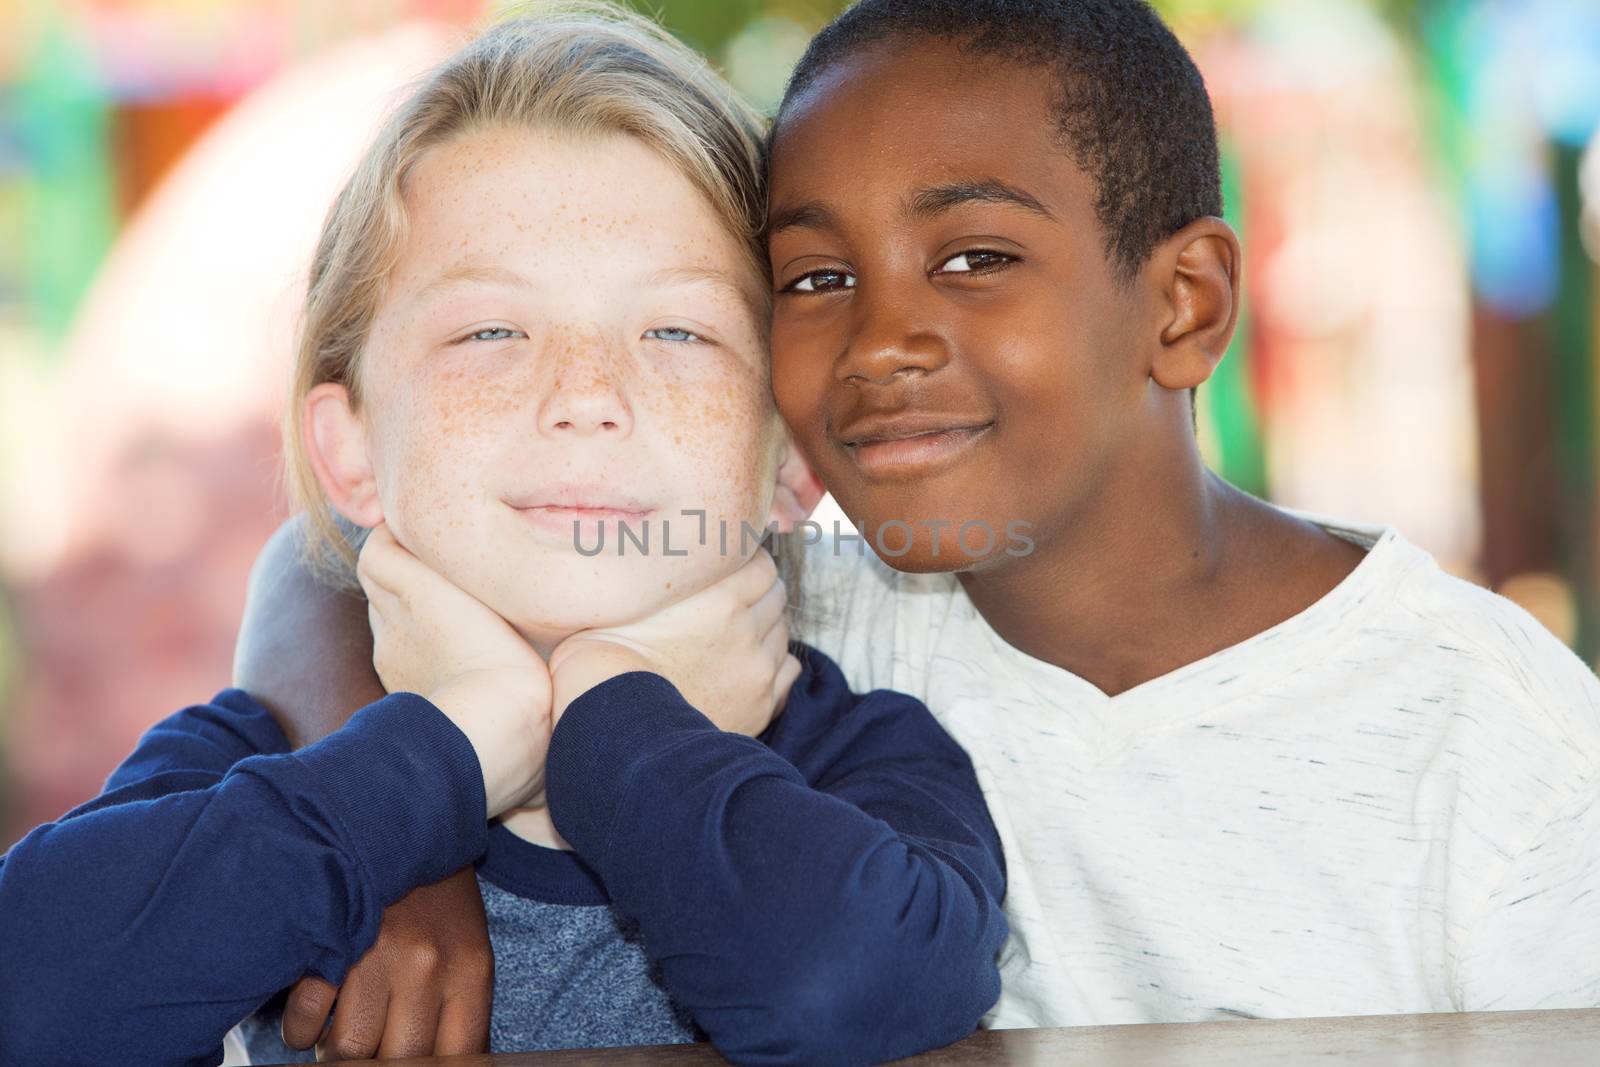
567 345
941 227
909 443
949 343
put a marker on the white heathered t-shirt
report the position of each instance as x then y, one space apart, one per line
1389 803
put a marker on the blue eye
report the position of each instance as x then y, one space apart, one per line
493 333
673 334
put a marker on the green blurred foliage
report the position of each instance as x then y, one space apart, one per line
1228 399
706 26
710 26
755 42
64 120
1200 14
1236 12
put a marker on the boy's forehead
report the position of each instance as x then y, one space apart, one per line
508 190
907 84
909 123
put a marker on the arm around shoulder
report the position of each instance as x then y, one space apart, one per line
304 649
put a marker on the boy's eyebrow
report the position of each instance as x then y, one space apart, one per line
716 276
923 203
475 272
679 275
809 215
941 198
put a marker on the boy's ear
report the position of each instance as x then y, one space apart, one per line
336 445
1198 272
799 489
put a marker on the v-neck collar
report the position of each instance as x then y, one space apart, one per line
1253 665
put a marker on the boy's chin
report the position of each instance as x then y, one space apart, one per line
559 597
597 609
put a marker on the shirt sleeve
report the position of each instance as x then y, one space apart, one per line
197 745
1538 942
834 898
143 925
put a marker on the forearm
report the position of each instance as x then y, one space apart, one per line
142 927
793 925
305 649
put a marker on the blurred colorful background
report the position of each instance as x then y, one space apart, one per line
1416 183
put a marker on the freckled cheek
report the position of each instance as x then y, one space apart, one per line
721 430
449 439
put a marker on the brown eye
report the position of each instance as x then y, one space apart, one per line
975 262
822 281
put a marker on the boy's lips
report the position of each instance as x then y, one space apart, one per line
585 497
587 523
569 510
909 443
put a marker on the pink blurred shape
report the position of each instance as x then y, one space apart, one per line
186 332
147 481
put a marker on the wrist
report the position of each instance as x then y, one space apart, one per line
583 668
508 728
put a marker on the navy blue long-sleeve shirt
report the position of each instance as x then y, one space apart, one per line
831 895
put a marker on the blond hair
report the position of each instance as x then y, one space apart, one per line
584 68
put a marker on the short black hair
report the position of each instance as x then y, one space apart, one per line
1132 108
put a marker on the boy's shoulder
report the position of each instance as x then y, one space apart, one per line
1494 653
1497 632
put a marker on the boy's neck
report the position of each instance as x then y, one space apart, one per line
1159 573
534 825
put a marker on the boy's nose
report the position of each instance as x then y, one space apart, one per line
889 343
593 405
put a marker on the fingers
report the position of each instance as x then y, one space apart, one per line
752 581
358 1019
464 1024
769 608
378 542
305 1013
382 657
387 567
410 1028
783 683
775 643
395 579
376 564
